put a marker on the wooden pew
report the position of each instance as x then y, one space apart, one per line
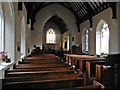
109 74
38 73
97 59
70 58
105 74
95 86
55 76
32 66
91 67
38 69
32 60
45 84
40 61
42 56
80 60
40 82
42 77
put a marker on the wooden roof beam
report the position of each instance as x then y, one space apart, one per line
89 9
80 8
114 8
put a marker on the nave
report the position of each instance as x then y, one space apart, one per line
70 29
46 71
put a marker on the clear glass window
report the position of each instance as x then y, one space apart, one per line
1 32
50 36
86 40
102 40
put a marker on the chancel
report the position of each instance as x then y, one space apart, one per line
58 45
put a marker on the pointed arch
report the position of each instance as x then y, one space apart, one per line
85 40
102 38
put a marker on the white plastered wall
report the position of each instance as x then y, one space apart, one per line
83 27
28 37
9 30
46 13
17 32
65 37
118 16
105 15
25 33
21 29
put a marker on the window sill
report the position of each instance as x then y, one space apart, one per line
4 65
50 43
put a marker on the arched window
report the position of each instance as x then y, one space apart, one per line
50 36
102 38
85 40
1 31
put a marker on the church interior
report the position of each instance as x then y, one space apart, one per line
56 45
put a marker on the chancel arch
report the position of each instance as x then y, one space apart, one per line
48 12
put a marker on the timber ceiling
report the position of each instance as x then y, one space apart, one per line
81 10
